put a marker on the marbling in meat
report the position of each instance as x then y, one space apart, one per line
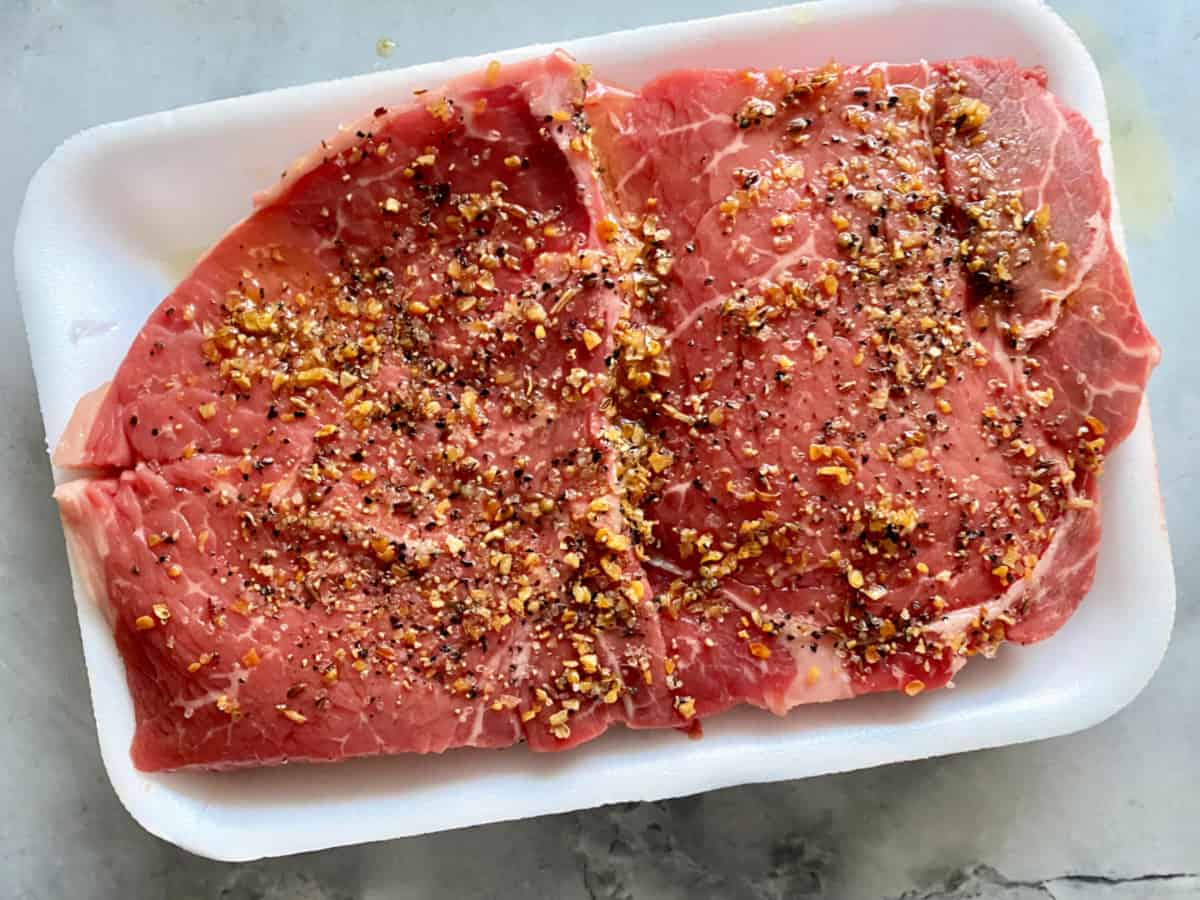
541 405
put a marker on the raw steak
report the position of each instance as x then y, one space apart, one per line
542 405
365 504
880 333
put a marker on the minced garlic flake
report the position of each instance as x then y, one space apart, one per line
1044 397
294 715
607 229
660 460
841 473
229 706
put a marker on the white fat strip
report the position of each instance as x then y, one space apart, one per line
820 676
1114 387
676 493
785 262
958 623
666 566
782 266
691 317
87 541
734 147
1055 566
1146 349
233 679
926 95
697 124
476 725
630 173
1048 171
633 170
73 440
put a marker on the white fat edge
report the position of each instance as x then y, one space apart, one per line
820 676
83 419
87 544
957 623
1048 167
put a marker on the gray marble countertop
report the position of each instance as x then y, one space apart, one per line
1113 812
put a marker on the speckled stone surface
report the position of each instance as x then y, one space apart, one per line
1110 813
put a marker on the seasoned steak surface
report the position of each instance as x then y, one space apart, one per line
541 405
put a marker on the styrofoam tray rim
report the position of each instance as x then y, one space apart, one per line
154 800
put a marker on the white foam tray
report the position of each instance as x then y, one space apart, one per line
116 215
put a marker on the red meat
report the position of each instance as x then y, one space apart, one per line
541 405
